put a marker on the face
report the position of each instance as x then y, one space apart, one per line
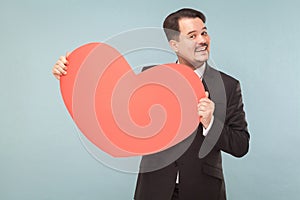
192 47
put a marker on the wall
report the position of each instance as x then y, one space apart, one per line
41 154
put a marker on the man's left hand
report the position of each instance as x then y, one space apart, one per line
206 109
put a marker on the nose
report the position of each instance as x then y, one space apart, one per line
201 39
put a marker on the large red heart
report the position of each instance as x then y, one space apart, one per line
125 114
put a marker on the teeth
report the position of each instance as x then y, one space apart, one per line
201 49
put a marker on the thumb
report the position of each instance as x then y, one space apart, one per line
68 53
206 94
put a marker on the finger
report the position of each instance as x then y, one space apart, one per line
63 59
67 54
62 71
206 106
201 113
205 100
202 110
206 94
203 104
61 64
55 71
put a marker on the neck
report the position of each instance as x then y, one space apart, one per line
185 62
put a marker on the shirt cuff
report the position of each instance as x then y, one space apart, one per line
206 130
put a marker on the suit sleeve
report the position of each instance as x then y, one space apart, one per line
234 138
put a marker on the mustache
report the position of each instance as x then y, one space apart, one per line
203 45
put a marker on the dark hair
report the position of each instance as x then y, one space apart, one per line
171 25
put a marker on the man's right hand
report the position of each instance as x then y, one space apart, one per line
60 67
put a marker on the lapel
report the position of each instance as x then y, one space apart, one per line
213 83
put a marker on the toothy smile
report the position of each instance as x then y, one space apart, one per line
202 48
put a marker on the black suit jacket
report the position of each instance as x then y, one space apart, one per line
200 166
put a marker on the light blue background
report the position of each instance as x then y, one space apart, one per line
40 152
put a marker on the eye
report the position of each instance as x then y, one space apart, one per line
204 33
193 36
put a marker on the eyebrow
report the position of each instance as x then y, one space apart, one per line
204 28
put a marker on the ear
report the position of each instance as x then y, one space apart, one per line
174 45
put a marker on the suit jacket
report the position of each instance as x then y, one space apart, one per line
200 165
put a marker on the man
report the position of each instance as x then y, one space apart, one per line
197 174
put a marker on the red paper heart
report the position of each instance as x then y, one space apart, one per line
125 114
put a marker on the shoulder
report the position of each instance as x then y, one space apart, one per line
148 67
227 79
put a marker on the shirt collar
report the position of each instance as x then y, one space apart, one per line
200 70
